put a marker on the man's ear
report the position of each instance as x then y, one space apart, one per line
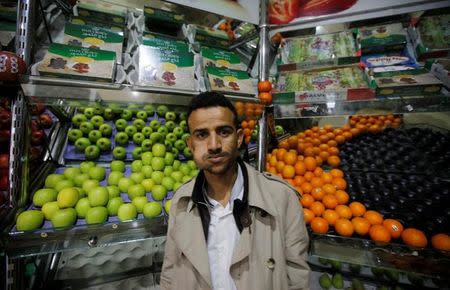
189 142
240 136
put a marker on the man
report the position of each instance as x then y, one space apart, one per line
231 227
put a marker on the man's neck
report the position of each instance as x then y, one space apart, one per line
220 186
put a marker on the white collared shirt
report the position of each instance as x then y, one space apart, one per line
223 236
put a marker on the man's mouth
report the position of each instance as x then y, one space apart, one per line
216 158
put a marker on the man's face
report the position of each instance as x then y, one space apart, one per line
214 139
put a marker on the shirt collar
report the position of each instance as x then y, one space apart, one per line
237 192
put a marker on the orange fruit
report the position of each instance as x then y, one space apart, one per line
331 216
265 98
394 227
319 161
323 147
339 183
318 171
441 242
317 193
290 181
414 237
308 151
298 180
300 168
344 227
280 165
343 211
334 161
264 86
293 141
379 233
332 143
283 145
288 171
327 178
308 215
316 181
272 170
306 187
354 131
280 153
329 201
329 189
309 176
324 155
336 173
273 160
306 200
319 225
361 225
251 124
333 151
374 217
290 158
310 163
340 139
357 208
317 208
347 135
244 124
342 196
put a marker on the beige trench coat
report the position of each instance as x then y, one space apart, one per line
270 255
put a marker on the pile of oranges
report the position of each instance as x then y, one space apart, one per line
248 126
248 110
375 123
326 204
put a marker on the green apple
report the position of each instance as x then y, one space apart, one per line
176 164
121 138
96 215
74 134
159 192
182 116
168 170
279 130
94 135
186 178
125 183
167 206
126 114
44 195
178 131
89 112
114 177
90 184
119 152
86 165
147 131
64 217
150 109
177 185
142 115
113 205
185 136
139 124
81 192
147 158
170 125
79 179
152 209
155 124
53 179
157 176
104 144
161 110
136 166
98 196
158 163
194 172
163 131
86 127
168 183
175 151
49 209
136 153
185 169
66 183
137 177
29 220
121 124
98 110
169 158
170 116
158 150
92 152
139 202
187 152
82 143
191 164
67 197
138 138
127 212
156 137
78 119
134 108
146 145
183 124
147 170
177 176
82 207
130 130
97 173
168 145
148 184
72 172
180 145
113 191
106 130
117 165
108 114
97 121
136 190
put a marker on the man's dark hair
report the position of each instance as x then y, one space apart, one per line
209 100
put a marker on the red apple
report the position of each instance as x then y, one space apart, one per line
5 103
5 136
12 65
4 161
37 137
5 119
37 108
35 152
45 120
35 125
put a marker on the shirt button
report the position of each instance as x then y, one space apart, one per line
270 263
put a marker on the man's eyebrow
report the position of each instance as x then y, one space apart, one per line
225 127
200 130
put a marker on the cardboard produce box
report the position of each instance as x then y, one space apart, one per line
382 38
233 81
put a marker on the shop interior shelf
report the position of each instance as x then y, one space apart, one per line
398 105
55 91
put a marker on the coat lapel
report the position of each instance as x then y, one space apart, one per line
191 241
243 247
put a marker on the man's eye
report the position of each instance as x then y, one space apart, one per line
224 132
200 135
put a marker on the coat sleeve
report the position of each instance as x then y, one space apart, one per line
167 272
297 242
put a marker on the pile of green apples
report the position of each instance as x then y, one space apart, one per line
78 192
91 135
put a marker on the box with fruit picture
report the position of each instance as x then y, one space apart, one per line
163 21
166 63
232 81
78 63
381 38
103 12
221 59
207 36
319 50
94 38
77 20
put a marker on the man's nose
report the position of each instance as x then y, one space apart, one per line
214 142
